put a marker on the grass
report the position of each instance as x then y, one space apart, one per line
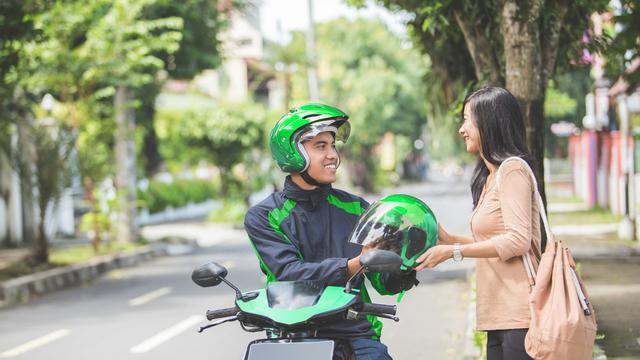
81 253
62 257
596 215
480 341
556 199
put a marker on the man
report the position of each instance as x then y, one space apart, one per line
301 233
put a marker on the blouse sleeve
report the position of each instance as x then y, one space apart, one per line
515 194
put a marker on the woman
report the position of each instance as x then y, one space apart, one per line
504 224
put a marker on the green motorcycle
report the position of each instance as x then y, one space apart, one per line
291 311
398 229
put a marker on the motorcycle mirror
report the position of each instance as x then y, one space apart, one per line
210 274
381 261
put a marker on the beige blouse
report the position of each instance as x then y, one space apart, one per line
509 217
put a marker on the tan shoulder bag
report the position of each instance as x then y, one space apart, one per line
563 323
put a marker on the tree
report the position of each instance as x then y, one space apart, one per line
198 50
516 44
19 34
364 69
624 46
53 147
122 46
224 134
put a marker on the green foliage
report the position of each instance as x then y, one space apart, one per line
480 341
53 147
123 46
159 195
623 48
435 24
565 101
95 140
558 104
199 45
96 223
223 134
365 70
230 212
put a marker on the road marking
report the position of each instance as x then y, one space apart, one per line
167 334
143 299
36 343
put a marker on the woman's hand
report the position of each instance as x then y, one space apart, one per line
434 256
443 236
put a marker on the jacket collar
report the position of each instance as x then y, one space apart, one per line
313 197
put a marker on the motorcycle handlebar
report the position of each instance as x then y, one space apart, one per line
221 313
379 309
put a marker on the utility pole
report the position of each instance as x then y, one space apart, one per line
312 72
627 228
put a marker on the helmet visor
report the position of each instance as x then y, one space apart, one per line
339 128
399 227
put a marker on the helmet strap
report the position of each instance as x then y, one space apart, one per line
309 180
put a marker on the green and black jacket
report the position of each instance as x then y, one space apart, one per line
303 235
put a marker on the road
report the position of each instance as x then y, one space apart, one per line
152 311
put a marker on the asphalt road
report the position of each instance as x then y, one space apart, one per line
153 311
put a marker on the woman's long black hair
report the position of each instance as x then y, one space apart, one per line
497 115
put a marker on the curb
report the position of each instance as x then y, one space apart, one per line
471 350
25 288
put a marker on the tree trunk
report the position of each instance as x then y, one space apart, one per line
125 166
153 161
485 61
96 239
26 163
144 117
524 74
6 179
226 180
41 245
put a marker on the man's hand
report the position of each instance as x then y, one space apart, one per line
353 265
434 256
408 280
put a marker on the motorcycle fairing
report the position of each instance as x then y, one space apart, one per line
333 299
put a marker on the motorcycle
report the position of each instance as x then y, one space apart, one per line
290 312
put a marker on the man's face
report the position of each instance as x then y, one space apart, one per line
323 157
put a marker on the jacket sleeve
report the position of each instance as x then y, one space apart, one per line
281 260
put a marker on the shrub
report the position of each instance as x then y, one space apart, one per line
159 195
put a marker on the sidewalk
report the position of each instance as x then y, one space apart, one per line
610 269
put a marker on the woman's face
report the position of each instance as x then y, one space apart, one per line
469 131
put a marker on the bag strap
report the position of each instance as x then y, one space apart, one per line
526 258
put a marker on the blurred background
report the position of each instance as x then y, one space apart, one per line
130 123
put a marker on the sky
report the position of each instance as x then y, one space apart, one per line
293 15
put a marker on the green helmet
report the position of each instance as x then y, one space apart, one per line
400 223
302 124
